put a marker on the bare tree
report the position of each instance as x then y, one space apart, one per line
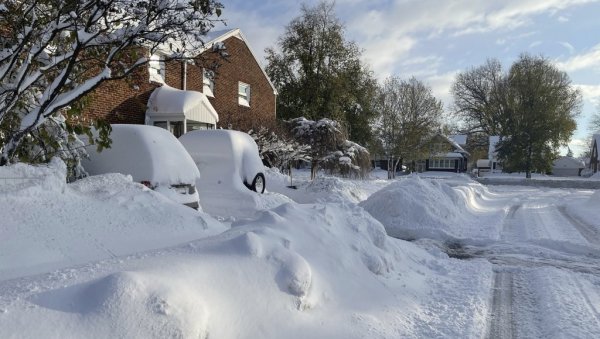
408 114
480 98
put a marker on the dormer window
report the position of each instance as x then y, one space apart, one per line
243 94
208 81
156 68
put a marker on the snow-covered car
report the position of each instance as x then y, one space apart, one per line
226 159
153 157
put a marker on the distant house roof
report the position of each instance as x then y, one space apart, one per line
568 162
457 147
596 138
460 139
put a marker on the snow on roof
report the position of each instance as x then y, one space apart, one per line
568 162
460 139
457 147
596 137
166 101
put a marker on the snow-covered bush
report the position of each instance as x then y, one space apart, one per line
277 151
329 148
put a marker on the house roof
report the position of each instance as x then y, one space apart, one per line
219 36
168 102
568 162
457 147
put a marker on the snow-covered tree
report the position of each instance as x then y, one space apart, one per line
277 151
53 52
329 148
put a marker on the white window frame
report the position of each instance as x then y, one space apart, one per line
243 94
208 82
157 68
442 163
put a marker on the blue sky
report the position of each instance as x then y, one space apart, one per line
433 40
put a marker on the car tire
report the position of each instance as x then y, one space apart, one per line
258 184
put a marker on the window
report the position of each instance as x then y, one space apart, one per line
208 81
243 94
156 68
442 163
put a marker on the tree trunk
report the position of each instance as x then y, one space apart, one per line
528 162
398 162
313 169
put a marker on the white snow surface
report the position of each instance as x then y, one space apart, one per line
413 208
105 257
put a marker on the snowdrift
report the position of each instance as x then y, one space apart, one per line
413 208
329 270
322 189
94 218
115 259
587 211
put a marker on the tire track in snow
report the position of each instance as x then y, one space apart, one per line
589 232
591 305
501 317
509 231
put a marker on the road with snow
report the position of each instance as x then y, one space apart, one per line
546 272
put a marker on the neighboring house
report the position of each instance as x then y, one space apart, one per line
567 167
594 164
206 91
445 155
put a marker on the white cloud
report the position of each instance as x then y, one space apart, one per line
590 93
588 60
440 86
535 44
567 46
563 19
382 55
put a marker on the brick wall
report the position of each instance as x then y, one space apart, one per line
121 101
124 101
239 66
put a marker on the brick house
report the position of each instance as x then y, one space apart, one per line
206 91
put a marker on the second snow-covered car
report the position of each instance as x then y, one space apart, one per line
226 159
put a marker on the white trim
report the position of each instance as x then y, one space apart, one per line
244 98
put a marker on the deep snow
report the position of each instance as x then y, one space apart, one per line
106 257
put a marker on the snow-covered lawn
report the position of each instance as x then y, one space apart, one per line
105 257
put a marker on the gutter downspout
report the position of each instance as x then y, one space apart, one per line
184 80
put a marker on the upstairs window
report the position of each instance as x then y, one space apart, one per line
243 94
208 81
156 68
